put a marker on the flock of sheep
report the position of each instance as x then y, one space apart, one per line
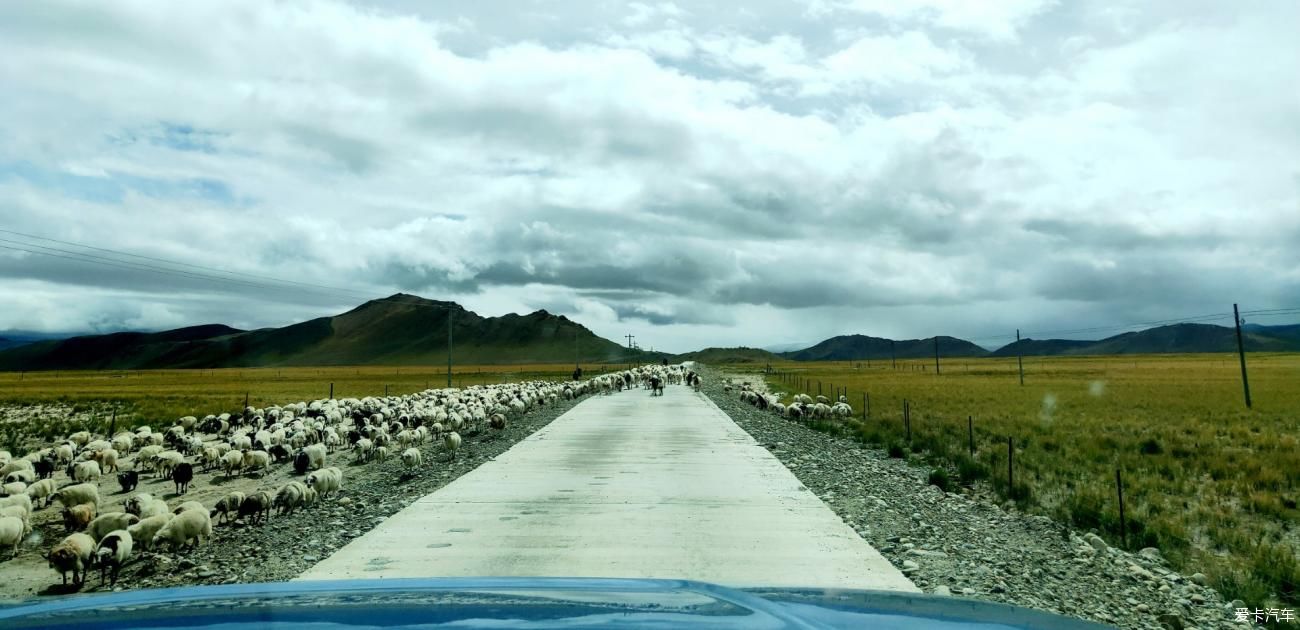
802 408
299 434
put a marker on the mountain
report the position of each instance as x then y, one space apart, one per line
851 347
397 330
1174 338
728 355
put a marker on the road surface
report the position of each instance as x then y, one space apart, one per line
624 485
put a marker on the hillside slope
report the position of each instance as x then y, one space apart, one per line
1171 339
397 330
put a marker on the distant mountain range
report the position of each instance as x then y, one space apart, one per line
851 347
397 330
409 330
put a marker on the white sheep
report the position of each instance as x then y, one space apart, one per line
20 500
12 531
78 494
189 505
188 527
231 462
166 461
43 489
110 521
86 472
326 480
451 442
107 459
257 460
411 458
380 453
363 448
74 554
10 489
147 506
315 456
144 531
113 551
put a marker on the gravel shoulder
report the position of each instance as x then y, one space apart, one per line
965 545
284 546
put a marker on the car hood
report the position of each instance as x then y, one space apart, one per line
517 603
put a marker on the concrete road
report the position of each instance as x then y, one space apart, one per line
625 485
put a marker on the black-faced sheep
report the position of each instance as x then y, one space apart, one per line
113 551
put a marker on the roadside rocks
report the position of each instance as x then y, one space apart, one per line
963 544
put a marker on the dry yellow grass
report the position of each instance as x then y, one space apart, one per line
1209 482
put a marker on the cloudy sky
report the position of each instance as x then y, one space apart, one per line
698 173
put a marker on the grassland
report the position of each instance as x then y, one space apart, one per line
1209 482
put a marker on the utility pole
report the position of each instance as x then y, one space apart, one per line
1020 361
630 337
893 358
936 355
1241 352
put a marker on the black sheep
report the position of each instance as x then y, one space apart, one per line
354 436
300 462
183 474
44 468
128 480
279 453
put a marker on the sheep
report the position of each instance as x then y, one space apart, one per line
309 497
380 453
326 480
231 462
315 456
20 500
190 526
255 505
114 548
144 531
257 460
411 458
12 531
110 521
77 517
85 472
43 489
10 489
182 475
451 442
128 480
107 459
44 468
227 506
165 462
72 554
21 476
290 497
362 448
189 505
145 506
497 421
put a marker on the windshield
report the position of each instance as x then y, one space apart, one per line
992 301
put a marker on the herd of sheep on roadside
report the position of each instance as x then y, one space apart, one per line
299 434
802 408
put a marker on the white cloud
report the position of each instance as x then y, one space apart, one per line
887 163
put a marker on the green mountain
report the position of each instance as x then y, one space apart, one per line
1175 338
397 330
853 347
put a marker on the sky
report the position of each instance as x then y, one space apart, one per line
693 173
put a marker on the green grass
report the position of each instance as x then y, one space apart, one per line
1208 481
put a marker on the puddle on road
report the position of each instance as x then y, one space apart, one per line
437 545
459 530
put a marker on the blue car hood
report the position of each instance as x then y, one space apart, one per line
516 603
